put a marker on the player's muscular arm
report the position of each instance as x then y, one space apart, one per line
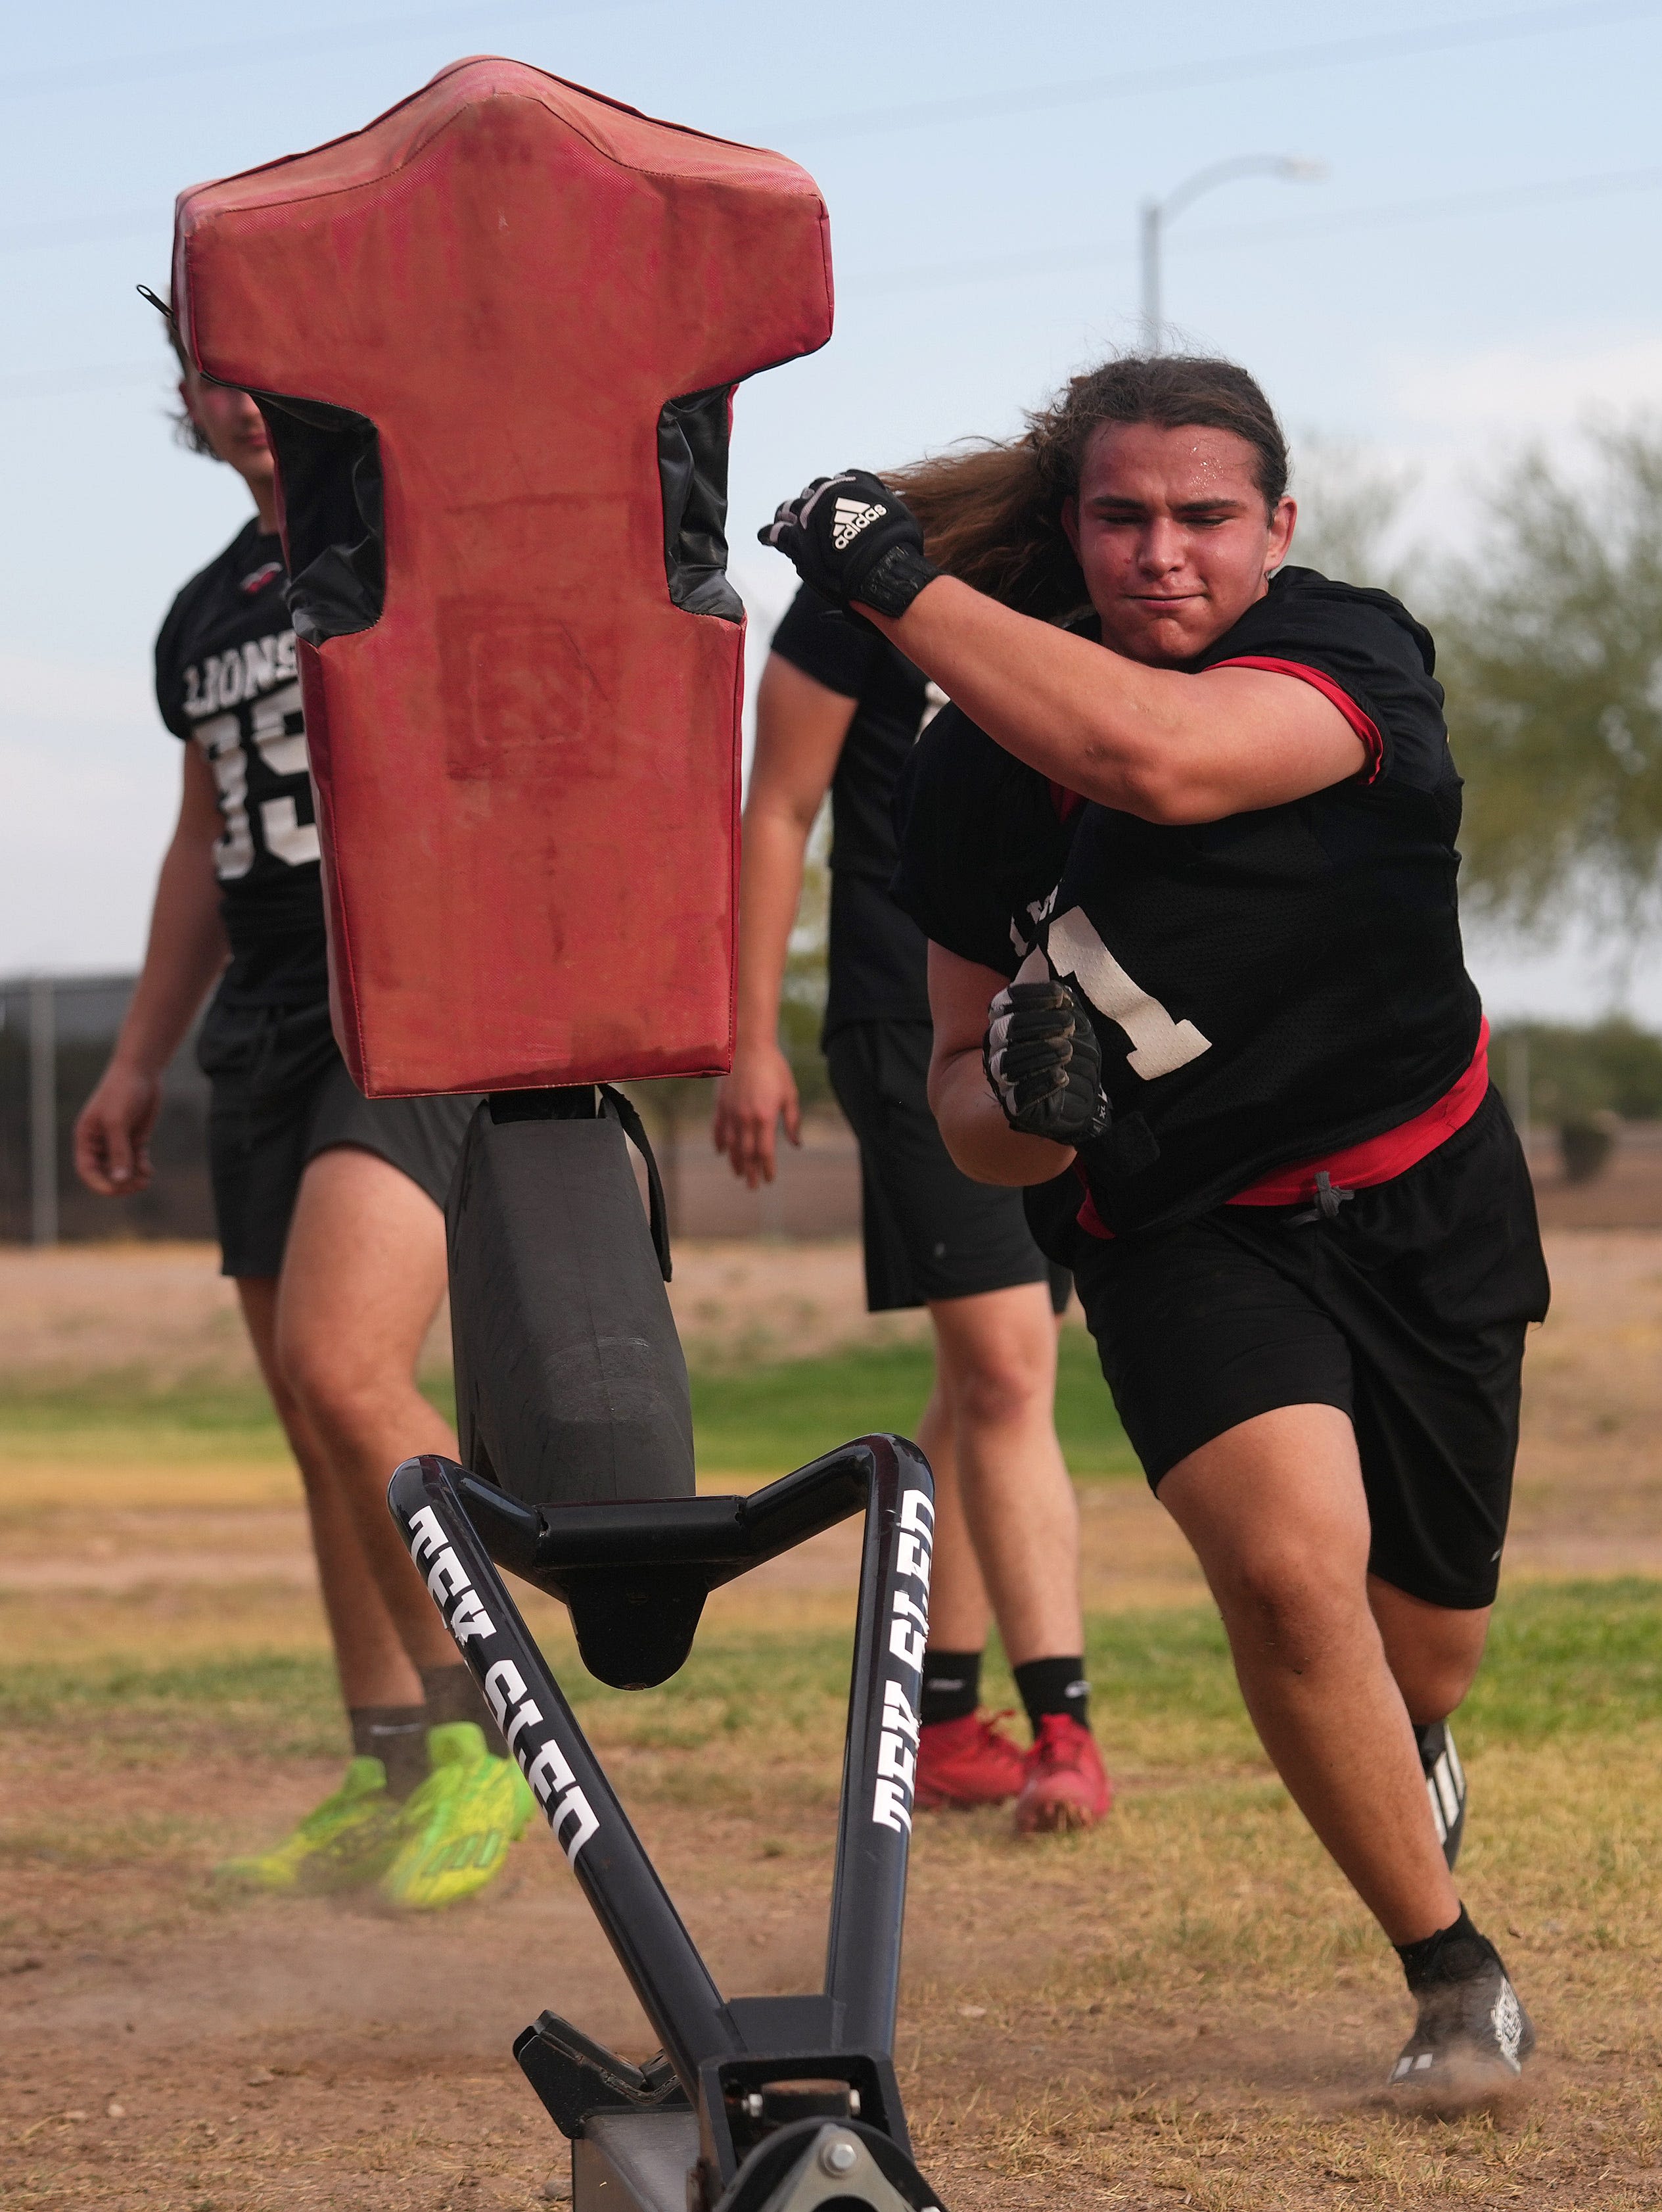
972 1122
800 729
1153 742
185 952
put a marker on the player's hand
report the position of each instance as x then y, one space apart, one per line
852 538
113 1132
752 1102
1043 1063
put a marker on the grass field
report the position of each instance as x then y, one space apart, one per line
1581 1659
1184 2007
748 1419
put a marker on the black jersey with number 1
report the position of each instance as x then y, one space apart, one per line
1268 989
226 681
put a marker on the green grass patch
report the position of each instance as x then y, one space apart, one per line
764 1419
1565 1659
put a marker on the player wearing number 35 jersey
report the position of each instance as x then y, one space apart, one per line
227 681
1232 1053
328 1205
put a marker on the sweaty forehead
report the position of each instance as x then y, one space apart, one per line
1148 465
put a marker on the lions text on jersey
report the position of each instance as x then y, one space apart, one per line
226 681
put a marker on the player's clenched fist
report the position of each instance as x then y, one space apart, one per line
851 539
1044 1063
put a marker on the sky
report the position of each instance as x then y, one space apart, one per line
1477 267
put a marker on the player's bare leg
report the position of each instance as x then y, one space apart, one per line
370 1659
363 1273
1434 1651
1277 1513
996 1362
1332 1666
959 1611
1008 1543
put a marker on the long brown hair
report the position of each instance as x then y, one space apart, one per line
991 512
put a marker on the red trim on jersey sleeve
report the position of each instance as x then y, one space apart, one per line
1358 1167
1066 802
1364 726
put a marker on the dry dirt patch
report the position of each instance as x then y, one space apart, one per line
1183 2009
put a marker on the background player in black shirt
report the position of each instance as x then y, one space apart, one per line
328 1206
1243 1069
840 708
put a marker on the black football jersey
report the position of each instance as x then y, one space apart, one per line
1268 989
968 812
877 956
227 680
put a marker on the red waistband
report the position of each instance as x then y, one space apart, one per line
1358 1167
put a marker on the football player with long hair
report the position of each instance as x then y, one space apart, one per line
1232 1054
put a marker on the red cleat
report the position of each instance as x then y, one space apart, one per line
1066 1785
966 1762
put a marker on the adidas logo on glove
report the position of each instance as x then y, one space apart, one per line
848 519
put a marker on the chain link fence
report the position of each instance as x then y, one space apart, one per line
56 1034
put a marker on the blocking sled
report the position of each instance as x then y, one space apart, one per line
500 414
494 336
575 1421
762 2104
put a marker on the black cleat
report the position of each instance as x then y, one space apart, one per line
1445 1785
1472 2035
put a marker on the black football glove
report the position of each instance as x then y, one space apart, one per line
851 537
1044 1064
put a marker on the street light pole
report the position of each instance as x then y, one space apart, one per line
1156 214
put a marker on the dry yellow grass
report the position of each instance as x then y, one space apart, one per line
1184 2008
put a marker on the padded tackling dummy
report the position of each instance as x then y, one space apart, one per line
494 335
571 1386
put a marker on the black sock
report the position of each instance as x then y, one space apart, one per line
952 1685
452 1694
397 1736
1053 1685
1454 1954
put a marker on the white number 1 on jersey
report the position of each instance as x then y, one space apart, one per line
1160 1044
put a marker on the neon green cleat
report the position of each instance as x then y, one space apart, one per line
454 1832
348 1839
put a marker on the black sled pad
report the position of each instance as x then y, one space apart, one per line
571 1386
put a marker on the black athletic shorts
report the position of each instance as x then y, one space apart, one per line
1407 1311
929 1232
279 1095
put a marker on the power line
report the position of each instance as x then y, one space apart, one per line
938 274
1070 92
18 238
194 60
1080 92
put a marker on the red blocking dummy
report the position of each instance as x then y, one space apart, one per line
494 337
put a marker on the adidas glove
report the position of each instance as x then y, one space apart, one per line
851 537
1044 1065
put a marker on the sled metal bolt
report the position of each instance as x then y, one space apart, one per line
838 2156
753 2106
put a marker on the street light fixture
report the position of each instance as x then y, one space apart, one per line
1156 214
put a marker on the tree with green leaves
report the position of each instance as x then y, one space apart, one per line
1550 647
